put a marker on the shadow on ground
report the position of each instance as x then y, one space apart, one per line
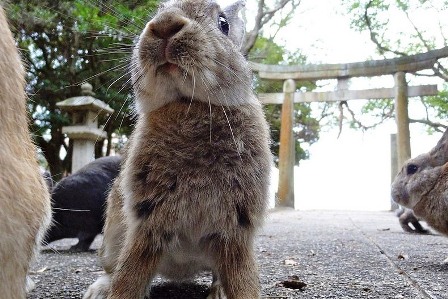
170 290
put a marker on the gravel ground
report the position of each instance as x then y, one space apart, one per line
302 254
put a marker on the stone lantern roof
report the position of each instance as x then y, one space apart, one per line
85 102
84 111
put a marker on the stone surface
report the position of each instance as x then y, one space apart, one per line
302 254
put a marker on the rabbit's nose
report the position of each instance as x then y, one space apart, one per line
167 25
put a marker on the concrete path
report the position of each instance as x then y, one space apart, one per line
351 255
302 254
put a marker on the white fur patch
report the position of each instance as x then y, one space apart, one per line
99 289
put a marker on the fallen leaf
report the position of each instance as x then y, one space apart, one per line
403 256
294 284
42 270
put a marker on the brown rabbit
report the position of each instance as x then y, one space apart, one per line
24 200
194 183
421 186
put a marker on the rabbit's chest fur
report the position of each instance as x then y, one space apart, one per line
194 172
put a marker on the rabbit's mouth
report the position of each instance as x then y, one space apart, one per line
168 68
401 199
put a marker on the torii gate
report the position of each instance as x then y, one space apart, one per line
398 67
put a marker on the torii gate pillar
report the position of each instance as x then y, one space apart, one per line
287 150
402 118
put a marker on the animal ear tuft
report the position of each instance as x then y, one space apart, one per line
439 154
237 26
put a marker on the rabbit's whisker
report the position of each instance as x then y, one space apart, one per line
193 78
113 12
211 117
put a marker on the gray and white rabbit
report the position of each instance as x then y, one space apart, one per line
422 183
194 182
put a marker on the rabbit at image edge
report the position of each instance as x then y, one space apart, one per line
25 210
422 183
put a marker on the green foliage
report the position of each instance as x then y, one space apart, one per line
306 128
378 107
397 28
440 103
266 51
65 43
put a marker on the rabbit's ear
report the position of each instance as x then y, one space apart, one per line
236 24
439 154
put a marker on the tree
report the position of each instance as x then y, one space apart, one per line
380 18
278 14
68 42
65 43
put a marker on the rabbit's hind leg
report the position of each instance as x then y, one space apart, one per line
217 290
236 268
137 265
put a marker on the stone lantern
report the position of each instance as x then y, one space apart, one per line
84 131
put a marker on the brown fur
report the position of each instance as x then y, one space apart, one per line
421 186
433 205
24 199
199 192
193 186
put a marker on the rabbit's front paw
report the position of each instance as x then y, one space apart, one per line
99 289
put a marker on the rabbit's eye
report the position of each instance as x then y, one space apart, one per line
223 24
411 169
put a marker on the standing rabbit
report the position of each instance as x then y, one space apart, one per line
422 183
25 209
193 188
